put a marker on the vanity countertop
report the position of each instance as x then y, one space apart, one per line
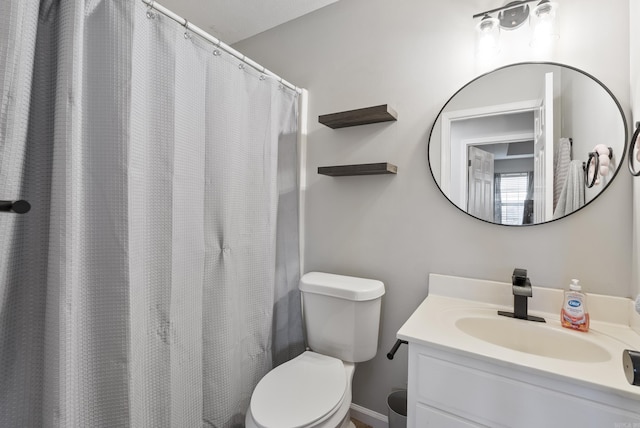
613 326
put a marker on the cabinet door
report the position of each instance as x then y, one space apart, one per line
489 398
428 417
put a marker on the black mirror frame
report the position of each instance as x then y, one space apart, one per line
615 174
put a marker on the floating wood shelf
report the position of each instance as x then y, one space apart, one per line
360 169
361 116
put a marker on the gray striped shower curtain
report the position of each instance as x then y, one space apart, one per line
154 281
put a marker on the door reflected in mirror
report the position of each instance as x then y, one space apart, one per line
509 147
500 186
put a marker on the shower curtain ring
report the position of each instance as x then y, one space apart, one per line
150 13
187 35
216 51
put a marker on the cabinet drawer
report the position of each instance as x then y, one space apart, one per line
428 417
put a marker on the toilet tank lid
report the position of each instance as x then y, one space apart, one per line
341 286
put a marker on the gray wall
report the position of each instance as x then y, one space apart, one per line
590 123
414 54
513 165
634 17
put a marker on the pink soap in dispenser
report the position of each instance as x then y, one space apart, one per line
574 312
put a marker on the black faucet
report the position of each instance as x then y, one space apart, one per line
521 287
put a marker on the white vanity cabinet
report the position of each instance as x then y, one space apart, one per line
449 390
470 367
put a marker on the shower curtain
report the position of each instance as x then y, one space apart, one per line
154 281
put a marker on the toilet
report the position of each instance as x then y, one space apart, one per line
342 317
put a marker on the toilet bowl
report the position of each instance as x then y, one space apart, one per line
310 391
313 390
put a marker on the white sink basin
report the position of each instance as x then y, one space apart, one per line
533 338
460 315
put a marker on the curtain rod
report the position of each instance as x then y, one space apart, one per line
220 44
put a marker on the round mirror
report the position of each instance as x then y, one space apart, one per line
527 143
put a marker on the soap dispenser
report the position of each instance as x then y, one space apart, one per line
574 312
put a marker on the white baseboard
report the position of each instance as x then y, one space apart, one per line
369 417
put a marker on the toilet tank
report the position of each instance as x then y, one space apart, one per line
341 315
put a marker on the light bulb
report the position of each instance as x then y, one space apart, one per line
488 36
542 20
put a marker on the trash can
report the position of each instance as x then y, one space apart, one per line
397 404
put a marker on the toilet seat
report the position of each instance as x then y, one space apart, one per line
299 393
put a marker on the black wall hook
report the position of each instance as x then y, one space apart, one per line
18 207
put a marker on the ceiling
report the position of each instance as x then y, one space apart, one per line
235 20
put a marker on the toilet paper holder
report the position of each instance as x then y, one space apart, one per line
393 351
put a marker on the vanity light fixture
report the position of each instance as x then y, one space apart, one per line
514 15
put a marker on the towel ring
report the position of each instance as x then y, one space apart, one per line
594 156
610 152
632 145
